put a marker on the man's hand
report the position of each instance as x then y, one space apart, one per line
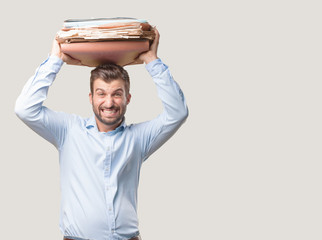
151 55
56 51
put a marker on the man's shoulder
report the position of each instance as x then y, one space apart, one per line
141 126
75 120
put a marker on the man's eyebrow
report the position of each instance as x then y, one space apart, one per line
116 90
99 89
119 89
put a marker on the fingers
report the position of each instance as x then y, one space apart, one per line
135 61
71 61
55 49
155 44
157 36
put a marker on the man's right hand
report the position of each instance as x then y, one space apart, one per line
56 51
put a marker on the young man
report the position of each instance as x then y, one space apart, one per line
101 157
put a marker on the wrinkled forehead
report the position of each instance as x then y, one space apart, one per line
109 85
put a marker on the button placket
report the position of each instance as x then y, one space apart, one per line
108 187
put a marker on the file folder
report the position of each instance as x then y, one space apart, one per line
102 40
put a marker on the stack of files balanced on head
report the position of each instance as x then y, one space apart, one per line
103 40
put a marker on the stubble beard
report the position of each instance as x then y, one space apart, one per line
111 122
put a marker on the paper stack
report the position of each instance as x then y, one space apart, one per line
101 40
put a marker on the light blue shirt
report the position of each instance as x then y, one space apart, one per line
99 172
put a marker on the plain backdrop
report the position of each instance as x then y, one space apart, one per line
245 165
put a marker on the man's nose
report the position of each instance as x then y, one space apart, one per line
109 102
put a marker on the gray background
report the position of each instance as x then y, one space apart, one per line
247 163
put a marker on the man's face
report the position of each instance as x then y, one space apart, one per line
109 101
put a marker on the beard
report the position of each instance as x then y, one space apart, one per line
114 121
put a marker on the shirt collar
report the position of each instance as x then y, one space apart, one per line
91 122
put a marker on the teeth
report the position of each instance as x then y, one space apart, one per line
109 111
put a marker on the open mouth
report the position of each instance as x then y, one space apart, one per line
109 112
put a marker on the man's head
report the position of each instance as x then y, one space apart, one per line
110 95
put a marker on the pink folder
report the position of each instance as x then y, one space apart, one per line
120 52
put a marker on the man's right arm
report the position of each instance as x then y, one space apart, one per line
29 107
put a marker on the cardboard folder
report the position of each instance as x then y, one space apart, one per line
97 41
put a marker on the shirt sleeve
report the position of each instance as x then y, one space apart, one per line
175 111
29 107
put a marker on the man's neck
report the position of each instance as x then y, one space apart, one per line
106 128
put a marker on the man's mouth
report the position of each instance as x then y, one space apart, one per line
109 112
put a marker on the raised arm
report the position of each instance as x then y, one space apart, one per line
29 105
175 110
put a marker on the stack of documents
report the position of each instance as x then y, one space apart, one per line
101 40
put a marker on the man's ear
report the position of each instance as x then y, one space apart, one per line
128 98
90 98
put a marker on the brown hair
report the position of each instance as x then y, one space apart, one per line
109 72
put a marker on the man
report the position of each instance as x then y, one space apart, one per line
101 157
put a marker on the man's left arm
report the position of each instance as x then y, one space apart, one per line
175 111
